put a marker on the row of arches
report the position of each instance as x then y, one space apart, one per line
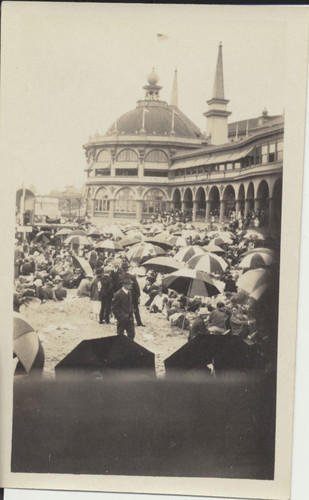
223 200
130 155
228 194
201 201
154 200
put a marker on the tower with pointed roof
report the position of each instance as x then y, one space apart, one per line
217 127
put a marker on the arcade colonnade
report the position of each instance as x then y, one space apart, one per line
202 201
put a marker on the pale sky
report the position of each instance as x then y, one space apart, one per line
69 70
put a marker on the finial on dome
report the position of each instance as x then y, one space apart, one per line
153 77
152 89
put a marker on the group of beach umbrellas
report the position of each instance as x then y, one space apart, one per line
192 267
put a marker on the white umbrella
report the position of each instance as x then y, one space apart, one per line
184 254
209 262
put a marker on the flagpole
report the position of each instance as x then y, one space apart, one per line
143 121
173 120
22 209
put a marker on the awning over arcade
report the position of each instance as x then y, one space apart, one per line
214 158
152 165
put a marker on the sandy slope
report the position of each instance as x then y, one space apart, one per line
63 325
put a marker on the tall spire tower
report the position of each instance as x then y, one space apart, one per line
217 128
174 96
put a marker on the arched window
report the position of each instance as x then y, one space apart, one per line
102 201
127 155
156 156
104 156
154 201
125 201
156 164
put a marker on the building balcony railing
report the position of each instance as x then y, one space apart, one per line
239 173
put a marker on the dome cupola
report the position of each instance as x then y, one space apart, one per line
152 90
153 116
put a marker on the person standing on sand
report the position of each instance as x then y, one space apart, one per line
122 307
95 289
106 295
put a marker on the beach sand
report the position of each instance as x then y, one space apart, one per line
63 325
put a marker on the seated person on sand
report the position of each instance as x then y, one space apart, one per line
239 323
218 320
175 307
159 301
194 304
198 326
47 291
84 287
60 292
151 292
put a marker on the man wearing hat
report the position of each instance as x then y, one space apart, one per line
122 307
135 290
106 294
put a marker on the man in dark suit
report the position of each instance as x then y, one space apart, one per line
122 307
135 291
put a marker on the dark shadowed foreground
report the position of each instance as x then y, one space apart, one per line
133 425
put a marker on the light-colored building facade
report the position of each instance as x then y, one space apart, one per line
47 206
154 158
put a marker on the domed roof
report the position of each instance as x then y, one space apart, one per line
155 117
157 121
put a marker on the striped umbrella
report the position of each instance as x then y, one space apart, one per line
27 346
177 241
109 245
63 232
77 240
211 247
253 279
156 228
158 240
136 233
142 251
94 231
184 254
191 282
256 259
269 251
78 232
43 235
163 264
128 241
190 233
188 226
222 240
259 291
251 234
209 262
114 230
219 234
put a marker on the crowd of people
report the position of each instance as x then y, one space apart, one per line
241 220
121 289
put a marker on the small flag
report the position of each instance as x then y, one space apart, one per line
161 37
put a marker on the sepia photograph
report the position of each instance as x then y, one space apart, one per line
152 166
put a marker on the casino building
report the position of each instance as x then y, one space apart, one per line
155 158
